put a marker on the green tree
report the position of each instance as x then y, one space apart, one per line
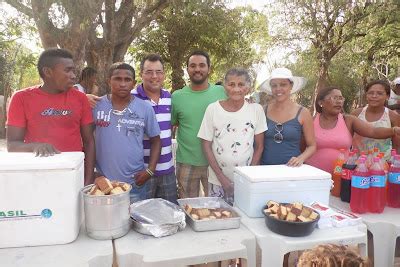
233 37
16 61
326 25
96 31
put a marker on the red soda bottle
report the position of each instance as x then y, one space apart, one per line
370 158
359 187
376 191
363 154
393 197
383 162
337 173
347 171
392 154
375 152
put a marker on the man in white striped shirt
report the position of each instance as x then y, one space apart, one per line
163 182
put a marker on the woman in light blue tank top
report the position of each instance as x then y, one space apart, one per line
287 122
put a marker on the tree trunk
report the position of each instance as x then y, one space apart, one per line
177 74
321 82
119 27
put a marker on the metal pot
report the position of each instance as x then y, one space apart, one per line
106 217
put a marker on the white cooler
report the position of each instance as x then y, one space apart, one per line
39 198
255 185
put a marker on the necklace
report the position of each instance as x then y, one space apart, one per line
117 111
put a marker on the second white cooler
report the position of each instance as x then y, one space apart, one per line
255 185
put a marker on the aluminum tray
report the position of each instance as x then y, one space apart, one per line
210 225
139 227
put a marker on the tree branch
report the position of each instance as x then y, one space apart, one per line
20 7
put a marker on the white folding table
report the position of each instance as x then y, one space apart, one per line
385 228
83 252
185 248
274 246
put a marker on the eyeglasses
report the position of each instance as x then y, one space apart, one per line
336 98
278 137
152 72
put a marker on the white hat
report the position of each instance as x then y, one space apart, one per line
283 73
396 81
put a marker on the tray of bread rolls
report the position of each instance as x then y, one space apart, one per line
209 213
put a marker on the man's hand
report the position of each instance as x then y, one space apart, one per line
44 150
141 177
93 99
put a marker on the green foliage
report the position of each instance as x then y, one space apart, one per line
17 63
233 37
356 41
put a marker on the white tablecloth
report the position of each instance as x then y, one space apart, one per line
83 252
385 228
185 248
274 246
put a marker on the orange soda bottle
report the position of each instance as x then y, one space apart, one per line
337 173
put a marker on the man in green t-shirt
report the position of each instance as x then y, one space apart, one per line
188 107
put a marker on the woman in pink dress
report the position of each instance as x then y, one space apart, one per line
334 130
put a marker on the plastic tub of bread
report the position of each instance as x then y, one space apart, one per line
157 217
106 206
209 213
290 219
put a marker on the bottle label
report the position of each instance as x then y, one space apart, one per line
377 181
394 177
337 169
360 182
346 174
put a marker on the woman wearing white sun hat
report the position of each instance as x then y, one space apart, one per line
287 121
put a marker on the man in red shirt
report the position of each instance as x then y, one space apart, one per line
52 117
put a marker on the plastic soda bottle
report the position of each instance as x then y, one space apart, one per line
337 173
359 187
377 186
392 154
370 158
393 196
362 155
383 162
375 152
347 171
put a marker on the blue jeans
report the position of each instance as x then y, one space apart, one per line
139 192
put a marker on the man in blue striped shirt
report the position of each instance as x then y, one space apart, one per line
163 182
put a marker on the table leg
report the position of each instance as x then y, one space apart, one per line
251 252
271 254
362 247
384 236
